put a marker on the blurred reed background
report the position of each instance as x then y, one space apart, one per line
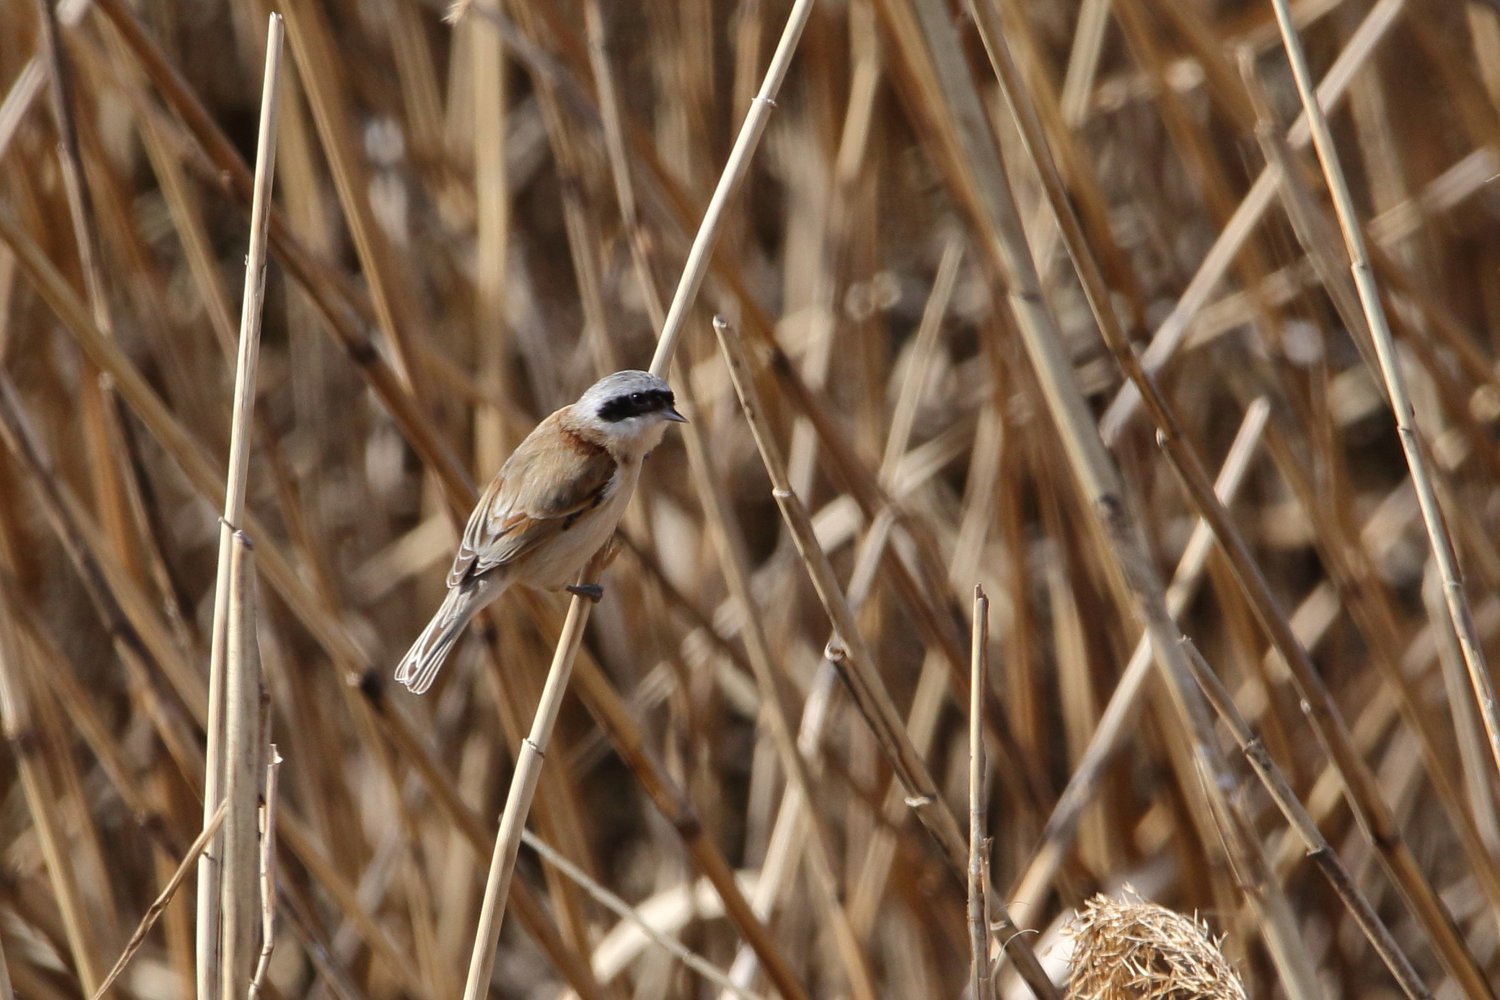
466 218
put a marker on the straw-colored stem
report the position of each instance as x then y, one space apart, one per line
819 846
980 987
267 874
522 789
759 114
1443 551
208 926
1319 850
239 881
729 540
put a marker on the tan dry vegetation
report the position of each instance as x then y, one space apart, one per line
1128 949
475 221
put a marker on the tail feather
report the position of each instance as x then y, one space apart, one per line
420 666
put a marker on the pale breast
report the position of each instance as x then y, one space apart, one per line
557 563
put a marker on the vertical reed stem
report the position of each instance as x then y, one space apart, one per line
979 954
208 948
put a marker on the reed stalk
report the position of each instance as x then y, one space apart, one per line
524 779
242 817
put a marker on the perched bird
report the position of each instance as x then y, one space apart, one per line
554 503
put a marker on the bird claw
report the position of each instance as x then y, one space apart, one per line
592 591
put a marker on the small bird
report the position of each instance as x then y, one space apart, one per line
554 503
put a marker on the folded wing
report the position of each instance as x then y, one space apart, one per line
553 477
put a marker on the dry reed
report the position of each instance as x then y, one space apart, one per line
975 242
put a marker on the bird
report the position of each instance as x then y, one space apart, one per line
553 504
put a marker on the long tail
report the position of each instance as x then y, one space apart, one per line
422 662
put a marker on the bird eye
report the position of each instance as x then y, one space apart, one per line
635 397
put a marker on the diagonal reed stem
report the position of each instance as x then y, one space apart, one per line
856 666
533 750
1173 442
1444 554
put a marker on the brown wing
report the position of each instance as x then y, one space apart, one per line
552 476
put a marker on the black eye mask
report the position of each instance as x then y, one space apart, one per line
634 404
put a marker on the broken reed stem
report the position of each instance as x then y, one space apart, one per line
267 874
1443 550
239 902
524 780
154 911
207 947
849 653
523 789
979 946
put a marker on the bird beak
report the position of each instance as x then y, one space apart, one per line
674 416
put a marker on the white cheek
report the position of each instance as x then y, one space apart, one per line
635 435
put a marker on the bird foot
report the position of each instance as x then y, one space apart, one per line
592 591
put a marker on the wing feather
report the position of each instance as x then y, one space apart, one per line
554 475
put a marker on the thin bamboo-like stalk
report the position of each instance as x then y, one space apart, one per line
1319 850
1443 551
208 927
1345 561
696 267
729 541
980 985
244 740
523 788
267 874
819 845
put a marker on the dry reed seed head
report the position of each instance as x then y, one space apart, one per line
1129 949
